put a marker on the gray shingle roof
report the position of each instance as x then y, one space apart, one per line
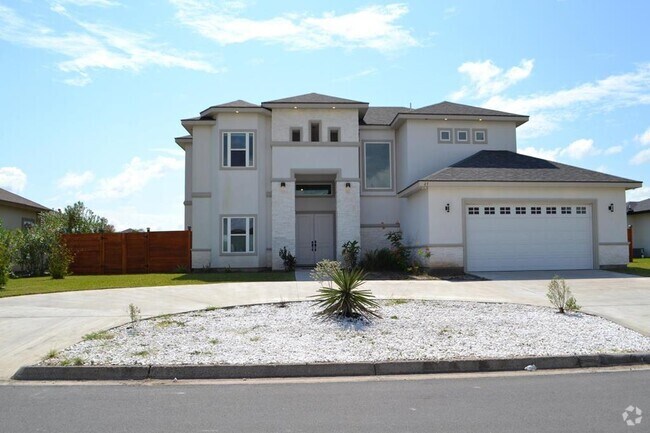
10 197
313 98
240 103
446 108
638 206
382 115
506 166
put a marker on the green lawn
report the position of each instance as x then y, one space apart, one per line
640 267
34 285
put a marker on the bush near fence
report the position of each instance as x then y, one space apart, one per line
130 253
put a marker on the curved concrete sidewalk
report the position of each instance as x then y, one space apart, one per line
32 325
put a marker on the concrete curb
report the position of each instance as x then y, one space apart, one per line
38 372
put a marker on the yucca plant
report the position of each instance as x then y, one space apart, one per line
345 298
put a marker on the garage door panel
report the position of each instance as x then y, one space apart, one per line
529 241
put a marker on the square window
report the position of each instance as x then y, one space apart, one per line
238 235
296 135
444 135
551 210
462 136
238 149
504 210
480 136
520 210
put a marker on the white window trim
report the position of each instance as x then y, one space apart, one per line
451 135
390 167
250 222
227 143
475 140
459 141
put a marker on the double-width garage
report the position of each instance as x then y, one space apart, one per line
528 236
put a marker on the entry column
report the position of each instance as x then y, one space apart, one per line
283 220
348 214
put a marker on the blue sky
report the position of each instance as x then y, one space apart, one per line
93 90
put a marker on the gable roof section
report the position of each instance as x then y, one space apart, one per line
382 116
446 108
638 206
7 197
313 98
506 166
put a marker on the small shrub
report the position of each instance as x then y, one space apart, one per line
400 252
5 264
346 299
180 269
398 301
324 270
166 323
141 353
134 313
350 254
59 260
560 295
380 260
77 361
214 341
288 259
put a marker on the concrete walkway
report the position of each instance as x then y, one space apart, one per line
32 325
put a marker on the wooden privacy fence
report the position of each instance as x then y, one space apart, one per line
129 253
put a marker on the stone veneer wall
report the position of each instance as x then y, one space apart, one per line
348 215
283 221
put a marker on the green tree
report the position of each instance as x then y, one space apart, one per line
77 218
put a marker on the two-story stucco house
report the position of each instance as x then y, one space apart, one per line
311 172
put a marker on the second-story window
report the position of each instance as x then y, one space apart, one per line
314 131
238 149
334 135
377 162
296 134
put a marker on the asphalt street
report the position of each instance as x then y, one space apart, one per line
530 402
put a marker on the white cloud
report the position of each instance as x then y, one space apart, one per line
641 158
638 194
364 73
613 150
578 149
487 79
75 180
12 179
643 138
371 27
134 177
94 46
449 12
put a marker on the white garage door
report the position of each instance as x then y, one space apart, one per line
520 236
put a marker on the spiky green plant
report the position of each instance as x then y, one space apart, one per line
345 298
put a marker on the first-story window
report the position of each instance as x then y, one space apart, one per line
238 235
377 161
238 149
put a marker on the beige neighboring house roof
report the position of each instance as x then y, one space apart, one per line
10 199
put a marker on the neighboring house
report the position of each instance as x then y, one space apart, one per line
311 172
638 216
18 212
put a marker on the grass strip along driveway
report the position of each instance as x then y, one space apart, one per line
640 267
36 285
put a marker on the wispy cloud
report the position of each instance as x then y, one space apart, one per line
643 138
374 27
99 3
134 176
94 46
638 194
449 12
550 109
641 158
364 73
73 180
577 150
12 179
487 79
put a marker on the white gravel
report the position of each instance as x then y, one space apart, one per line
409 330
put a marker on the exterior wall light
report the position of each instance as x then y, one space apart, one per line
611 207
347 186
283 185
447 207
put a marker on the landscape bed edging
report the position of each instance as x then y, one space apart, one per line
168 372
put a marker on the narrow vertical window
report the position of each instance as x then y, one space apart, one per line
377 159
314 131
334 135
296 135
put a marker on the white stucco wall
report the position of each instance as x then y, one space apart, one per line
348 223
439 229
424 155
312 158
283 221
345 119
640 231
187 203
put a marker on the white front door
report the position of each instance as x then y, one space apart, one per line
314 238
528 236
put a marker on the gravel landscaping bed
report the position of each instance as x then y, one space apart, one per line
409 330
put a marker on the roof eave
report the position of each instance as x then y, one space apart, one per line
189 124
183 142
216 110
401 117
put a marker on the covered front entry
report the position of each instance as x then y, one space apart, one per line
314 238
528 236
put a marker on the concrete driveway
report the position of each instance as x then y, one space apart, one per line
32 325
